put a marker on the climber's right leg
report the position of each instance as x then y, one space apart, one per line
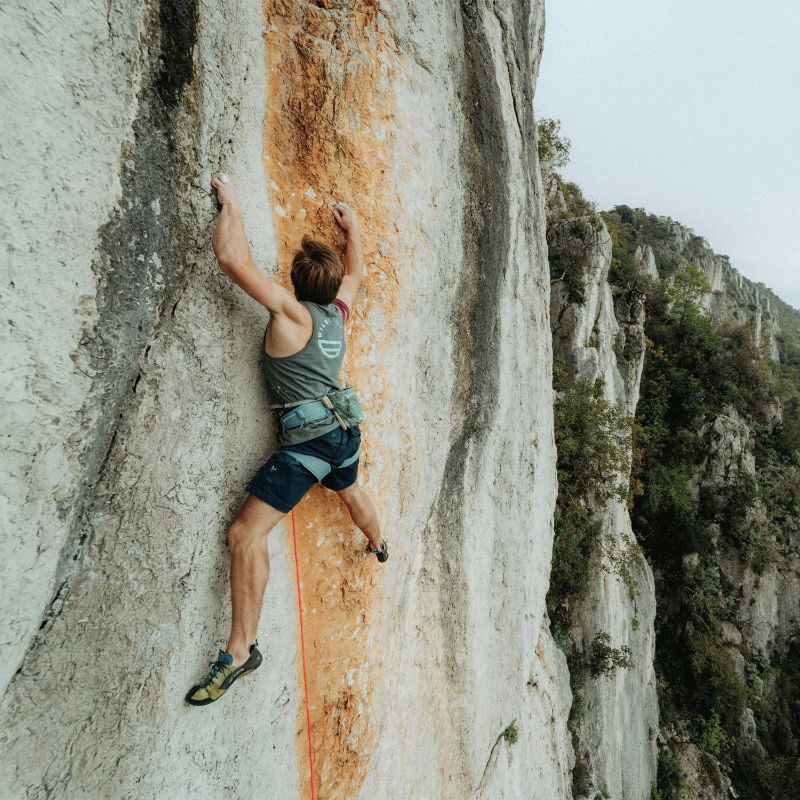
363 514
274 490
247 542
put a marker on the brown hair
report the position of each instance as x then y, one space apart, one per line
317 272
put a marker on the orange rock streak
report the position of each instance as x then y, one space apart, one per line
328 137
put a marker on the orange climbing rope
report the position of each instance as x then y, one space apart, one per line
303 650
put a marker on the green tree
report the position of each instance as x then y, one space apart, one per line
553 148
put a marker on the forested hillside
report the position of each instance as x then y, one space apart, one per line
713 491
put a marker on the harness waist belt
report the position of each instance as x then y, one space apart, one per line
307 412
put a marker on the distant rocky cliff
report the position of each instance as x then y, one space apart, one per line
694 703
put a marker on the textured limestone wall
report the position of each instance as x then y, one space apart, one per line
137 411
61 154
733 298
152 415
603 337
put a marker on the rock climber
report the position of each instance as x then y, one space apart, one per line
302 352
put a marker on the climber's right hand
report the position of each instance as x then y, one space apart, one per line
226 191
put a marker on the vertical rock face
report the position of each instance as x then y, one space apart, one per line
733 299
615 721
138 412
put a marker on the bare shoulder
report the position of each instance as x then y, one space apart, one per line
293 311
288 331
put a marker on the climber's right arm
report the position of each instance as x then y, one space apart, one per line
270 294
354 254
233 254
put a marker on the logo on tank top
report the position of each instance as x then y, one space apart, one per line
330 348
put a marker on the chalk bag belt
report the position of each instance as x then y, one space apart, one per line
310 411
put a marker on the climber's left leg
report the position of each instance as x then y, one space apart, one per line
247 543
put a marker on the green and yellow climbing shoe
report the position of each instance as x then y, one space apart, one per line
221 676
382 554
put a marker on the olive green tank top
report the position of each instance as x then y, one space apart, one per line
312 371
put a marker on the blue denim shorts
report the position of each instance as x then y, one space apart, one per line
285 477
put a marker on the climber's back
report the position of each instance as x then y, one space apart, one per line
313 370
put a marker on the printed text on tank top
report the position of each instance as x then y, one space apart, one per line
329 348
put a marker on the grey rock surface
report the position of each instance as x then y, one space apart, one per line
137 412
615 731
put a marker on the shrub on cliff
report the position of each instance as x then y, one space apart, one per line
786 385
592 443
552 147
606 660
570 240
625 273
718 691
671 778
649 229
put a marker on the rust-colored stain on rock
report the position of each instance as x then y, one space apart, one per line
328 137
540 651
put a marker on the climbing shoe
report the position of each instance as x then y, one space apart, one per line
383 553
221 676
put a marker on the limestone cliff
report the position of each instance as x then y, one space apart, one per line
136 410
598 337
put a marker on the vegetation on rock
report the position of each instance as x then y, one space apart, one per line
698 371
714 490
592 441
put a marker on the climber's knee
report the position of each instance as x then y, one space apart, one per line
351 495
242 536
252 524
244 533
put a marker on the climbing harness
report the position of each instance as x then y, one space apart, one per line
342 403
303 651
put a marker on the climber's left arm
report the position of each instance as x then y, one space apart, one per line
353 256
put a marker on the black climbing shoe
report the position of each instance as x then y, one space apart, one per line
383 553
221 676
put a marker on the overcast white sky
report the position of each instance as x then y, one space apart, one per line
689 110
